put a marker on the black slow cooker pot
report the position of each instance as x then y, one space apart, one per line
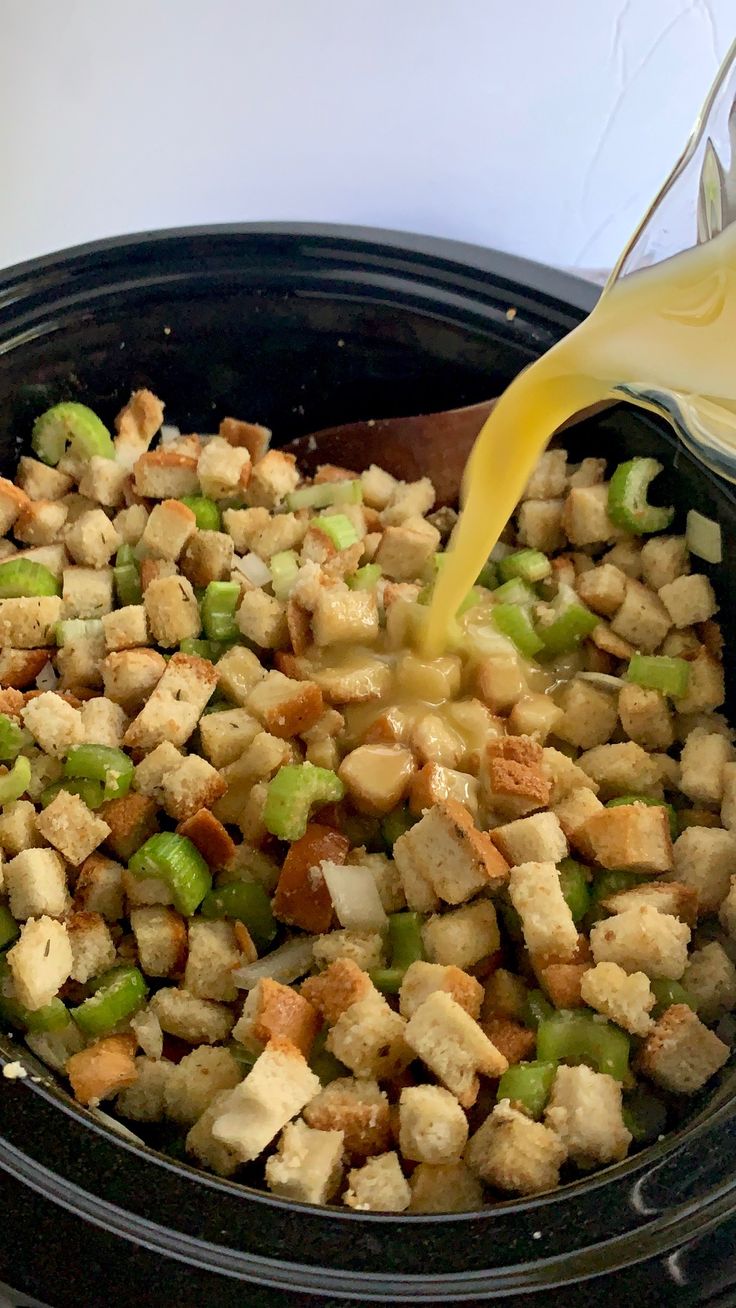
298 328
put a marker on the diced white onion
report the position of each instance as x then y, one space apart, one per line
169 433
500 551
148 1030
47 678
602 679
285 964
355 897
703 537
253 567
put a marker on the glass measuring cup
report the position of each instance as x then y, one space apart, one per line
696 204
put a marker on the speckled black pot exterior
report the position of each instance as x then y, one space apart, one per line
300 327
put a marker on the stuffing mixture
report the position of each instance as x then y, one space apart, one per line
309 909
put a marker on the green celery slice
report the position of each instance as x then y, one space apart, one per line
325 494
339 528
25 579
118 994
205 511
628 507
578 1034
74 425
528 1084
670 676
513 621
294 790
248 902
219 603
91 792
102 763
15 783
175 860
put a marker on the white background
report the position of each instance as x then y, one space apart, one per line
539 126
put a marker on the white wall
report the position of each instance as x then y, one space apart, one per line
539 126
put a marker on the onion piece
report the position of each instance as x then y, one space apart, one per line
169 433
285 964
703 537
603 679
354 896
253 568
47 678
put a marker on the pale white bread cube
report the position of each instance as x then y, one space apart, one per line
307 1166
35 881
705 860
642 940
453 1046
198 1021
432 1126
537 838
175 705
547 923
379 1186
276 1089
193 1083
680 1054
585 1111
513 1153
463 936
369 1038
422 979
624 997
40 961
71 827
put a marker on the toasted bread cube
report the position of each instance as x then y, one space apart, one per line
93 948
165 474
202 1144
153 770
172 610
176 704
130 676
356 1107
143 1101
549 477
104 481
434 784
701 765
681 1054
378 487
513 1153
20 667
368 1038
213 953
13 501
92 539
35 882
666 896
512 778
663 559
136 425
161 938
238 671
40 961
341 614
705 860
642 940
453 1046
207 556
99 887
563 775
379 1186
39 481
131 820
147 1029
642 619
602 589
585 517
131 523
78 662
689 599
590 715
223 470
19 828
308 1164
198 1021
464 936
499 682
706 687
248 435
624 769
536 716
446 1188
193 1084
446 852
540 524
275 1090
262 619
364 948
710 977
169 527
573 813
272 478
409 500
728 801
432 1126
126 627
156 570
532 839
585 1112
214 843
342 984
377 777
40 522
405 550
71 827
547 923
274 1011
631 836
646 717
104 722
244 526
727 910
103 1069
194 784
226 735
28 623
422 980
284 706
624 997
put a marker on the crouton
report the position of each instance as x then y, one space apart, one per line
499 681
143 1101
532 839
19 827
368 1037
198 1021
357 1108
585 519
333 992
40 522
194 784
680 1054
172 610
193 1084
536 716
364 948
307 1165
642 618
512 778
130 676
170 525
642 940
423 979
262 619
624 769
99 888
146 1027
547 923
29 622
379 1186
238 671
590 715
453 1046
104 481
710 977
432 1126
20 667
728 800
246 435
273 1011
165 474
71 827
666 896
701 765
602 589
563 775
130 523
224 470
131 821
35 882
207 556
513 1153
104 722
285 707
706 688
540 524
464 936
152 771
13 501
573 813
585 1112
624 997
689 599
103 1069
93 948
408 500
161 939
91 539
631 836
385 875
435 783
202 1144
663 559
273 477
136 425
38 481
646 717
214 843
515 1041
213 953
175 706
275 1090
377 777
705 861
405 550
341 615
445 852
263 757
226 735
40 961
447 1188
549 477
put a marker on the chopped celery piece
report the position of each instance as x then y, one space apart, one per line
293 792
325 494
571 623
284 569
178 862
536 1009
206 512
9 929
511 920
16 781
118 995
668 993
12 738
248 902
206 649
127 577
645 1116
513 621
488 576
574 879
74 425
221 599
515 591
475 596
579 1035
395 824
529 565
91 792
70 629
659 672
365 578
651 803
703 537
101 763
627 498
528 1084
24 579
245 1056
51 1017
322 1062
405 947
339 528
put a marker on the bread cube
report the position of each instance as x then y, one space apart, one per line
206 1149
464 936
92 539
547 923
143 1101
453 1046
93 948
262 619
590 715
663 559
356 1107
631 836
702 761
432 1126
706 686
422 980
19 827
130 676
642 940
198 1021
642 619
602 589
409 500
666 896
689 599
363 948
192 785
705 861
646 717
284 706
40 522
161 939
207 556
681 1054
625 998
99 887
379 1186
549 477
39 481
35 881
624 769
40 961
193 1084
405 550
532 839
172 610
573 813
585 1111
272 478
513 1153
71 827
213 953
275 1090
247 435
53 723
446 1188
104 722
223 470
368 1038
710 977
377 777
103 1069
175 705
445 852
29 623
540 525
308 1164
